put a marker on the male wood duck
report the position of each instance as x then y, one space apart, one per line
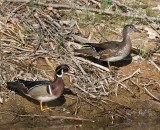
43 91
113 50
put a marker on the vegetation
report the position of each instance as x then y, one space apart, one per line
142 50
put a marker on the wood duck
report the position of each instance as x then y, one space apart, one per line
43 91
113 50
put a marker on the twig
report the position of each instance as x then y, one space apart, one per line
79 66
91 95
21 37
106 99
139 87
57 117
155 65
61 6
9 35
94 64
154 28
49 63
121 84
70 118
150 94
77 106
25 50
130 76
39 41
75 61
89 102
119 4
79 38
15 10
156 54
101 33
145 16
97 3
43 26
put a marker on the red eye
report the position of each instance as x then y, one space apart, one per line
64 67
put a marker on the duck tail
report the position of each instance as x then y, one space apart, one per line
14 86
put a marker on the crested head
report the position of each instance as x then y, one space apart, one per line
61 69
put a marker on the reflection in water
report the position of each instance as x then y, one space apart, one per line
73 125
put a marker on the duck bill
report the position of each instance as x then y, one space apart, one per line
136 30
71 72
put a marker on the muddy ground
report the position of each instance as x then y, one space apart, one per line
129 96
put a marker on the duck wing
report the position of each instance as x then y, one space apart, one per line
30 84
25 85
87 51
104 46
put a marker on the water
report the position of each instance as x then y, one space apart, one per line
140 124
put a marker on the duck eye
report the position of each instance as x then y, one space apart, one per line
64 67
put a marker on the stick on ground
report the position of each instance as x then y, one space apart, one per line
49 63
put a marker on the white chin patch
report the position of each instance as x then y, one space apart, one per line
59 75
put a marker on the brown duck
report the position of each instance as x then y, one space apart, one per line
113 50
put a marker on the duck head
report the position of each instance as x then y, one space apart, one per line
129 28
61 69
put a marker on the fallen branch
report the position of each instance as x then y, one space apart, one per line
131 9
94 64
89 102
79 66
39 41
155 65
58 117
121 84
61 6
49 63
150 94
156 54
69 118
97 3
119 4
130 76
79 38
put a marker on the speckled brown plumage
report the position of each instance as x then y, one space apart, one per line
113 50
